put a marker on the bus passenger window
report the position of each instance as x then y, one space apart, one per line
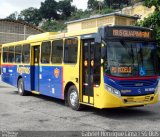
57 51
70 50
45 52
26 54
5 54
11 55
18 54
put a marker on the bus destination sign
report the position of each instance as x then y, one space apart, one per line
124 69
131 33
127 32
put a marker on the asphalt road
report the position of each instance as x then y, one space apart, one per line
40 113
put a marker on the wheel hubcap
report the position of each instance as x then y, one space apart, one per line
73 98
20 87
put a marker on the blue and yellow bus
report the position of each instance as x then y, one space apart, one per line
105 67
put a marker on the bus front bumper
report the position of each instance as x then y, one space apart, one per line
108 100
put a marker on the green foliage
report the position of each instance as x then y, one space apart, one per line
155 3
48 9
153 21
132 2
65 8
111 4
107 10
79 14
116 4
30 15
93 4
53 26
51 9
13 16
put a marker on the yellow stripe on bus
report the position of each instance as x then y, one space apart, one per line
35 92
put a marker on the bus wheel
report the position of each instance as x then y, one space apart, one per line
73 98
21 90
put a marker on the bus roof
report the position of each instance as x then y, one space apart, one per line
41 36
52 36
56 35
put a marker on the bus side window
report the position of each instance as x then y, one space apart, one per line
26 53
18 54
70 50
57 51
45 52
5 54
11 55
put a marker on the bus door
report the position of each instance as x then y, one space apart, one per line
35 68
91 58
87 70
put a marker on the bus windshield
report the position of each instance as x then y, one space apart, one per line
130 59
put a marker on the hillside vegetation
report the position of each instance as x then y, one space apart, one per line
52 15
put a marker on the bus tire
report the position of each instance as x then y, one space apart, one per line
21 90
73 98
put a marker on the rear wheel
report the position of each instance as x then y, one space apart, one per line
73 98
21 90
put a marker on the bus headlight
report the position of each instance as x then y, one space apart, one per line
113 90
156 90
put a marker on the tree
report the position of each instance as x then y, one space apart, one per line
79 14
117 4
65 8
155 3
13 16
93 4
31 15
48 9
53 25
108 3
126 2
153 21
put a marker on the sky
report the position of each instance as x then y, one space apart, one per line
9 6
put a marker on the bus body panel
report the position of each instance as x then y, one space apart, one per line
133 87
107 100
51 81
26 76
11 73
34 78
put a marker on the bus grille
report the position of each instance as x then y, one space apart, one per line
139 99
140 83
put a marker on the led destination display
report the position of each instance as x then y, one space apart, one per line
128 32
